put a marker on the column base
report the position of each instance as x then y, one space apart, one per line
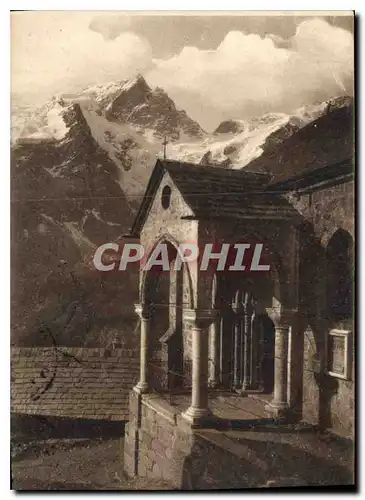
278 409
141 388
198 417
243 390
212 384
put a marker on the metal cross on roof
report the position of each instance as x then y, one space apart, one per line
165 142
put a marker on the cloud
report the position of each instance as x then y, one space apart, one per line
57 52
250 75
110 25
245 75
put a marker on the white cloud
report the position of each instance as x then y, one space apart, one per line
245 75
111 24
248 75
57 52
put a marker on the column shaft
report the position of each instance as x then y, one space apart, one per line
143 377
197 413
144 315
246 379
199 397
279 402
200 321
214 353
281 364
222 378
237 353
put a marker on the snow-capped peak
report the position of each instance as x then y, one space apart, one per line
46 123
235 143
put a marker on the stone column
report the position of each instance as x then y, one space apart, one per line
144 313
260 354
281 367
279 404
214 353
198 413
247 346
221 354
237 351
254 349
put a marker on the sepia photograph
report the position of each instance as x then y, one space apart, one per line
182 207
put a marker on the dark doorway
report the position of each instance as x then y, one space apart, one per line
227 345
164 293
339 276
268 354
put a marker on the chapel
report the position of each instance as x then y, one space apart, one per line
284 337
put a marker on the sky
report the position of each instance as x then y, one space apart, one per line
215 67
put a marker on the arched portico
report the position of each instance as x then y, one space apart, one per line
164 294
240 342
236 212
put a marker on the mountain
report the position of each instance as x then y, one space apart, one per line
128 120
235 143
66 200
134 102
80 165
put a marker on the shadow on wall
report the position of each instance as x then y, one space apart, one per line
326 285
264 463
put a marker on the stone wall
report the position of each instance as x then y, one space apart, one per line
155 446
326 400
329 209
160 444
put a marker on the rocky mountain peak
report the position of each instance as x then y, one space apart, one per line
230 127
149 110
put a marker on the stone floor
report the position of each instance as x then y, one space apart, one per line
293 454
233 409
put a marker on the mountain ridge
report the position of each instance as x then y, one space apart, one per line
80 165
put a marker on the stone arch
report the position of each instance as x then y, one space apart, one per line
277 277
146 277
278 272
247 318
164 293
330 232
339 279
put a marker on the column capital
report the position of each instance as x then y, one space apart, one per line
200 318
287 317
282 318
143 311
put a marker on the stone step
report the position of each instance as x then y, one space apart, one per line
234 447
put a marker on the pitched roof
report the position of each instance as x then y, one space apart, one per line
214 192
319 146
88 383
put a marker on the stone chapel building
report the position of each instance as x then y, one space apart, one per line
285 336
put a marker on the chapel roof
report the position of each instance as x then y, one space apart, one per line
322 150
214 192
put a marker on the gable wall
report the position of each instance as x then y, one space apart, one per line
168 221
160 220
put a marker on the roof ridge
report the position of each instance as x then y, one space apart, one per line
218 170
